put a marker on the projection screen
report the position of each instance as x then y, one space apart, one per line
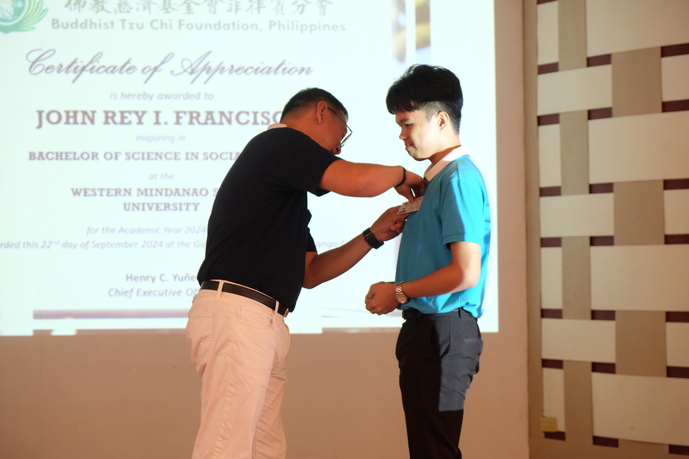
121 118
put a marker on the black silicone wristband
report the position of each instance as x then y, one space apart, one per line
371 239
404 178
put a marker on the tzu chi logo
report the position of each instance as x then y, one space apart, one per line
20 15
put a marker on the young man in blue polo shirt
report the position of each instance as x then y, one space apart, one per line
442 264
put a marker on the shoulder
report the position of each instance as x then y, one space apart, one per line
285 132
463 181
464 169
282 134
279 144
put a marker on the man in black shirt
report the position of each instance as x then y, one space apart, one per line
259 254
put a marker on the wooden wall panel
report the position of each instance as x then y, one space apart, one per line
579 89
622 25
640 343
643 93
549 155
582 340
644 147
609 228
676 211
640 278
580 215
548 33
551 276
677 335
554 396
574 150
639 213
641 408
674 71
576 278
572 34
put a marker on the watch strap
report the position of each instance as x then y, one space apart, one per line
400 296
371 239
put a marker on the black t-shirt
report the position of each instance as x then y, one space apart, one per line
258 231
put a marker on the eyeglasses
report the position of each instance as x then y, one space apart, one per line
349 130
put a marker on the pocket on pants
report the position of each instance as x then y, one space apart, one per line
472 344
199 333
256 315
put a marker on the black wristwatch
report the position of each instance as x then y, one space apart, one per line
371 239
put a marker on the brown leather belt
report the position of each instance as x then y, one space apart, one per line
247 293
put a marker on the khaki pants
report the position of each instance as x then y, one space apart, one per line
239 347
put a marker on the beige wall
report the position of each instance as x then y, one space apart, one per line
136 396
607 85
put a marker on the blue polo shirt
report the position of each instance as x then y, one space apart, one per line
455 208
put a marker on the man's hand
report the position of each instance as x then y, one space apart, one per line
388 225
412 187
381 298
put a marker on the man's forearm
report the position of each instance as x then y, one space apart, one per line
361 179
463 273
328 265
441 282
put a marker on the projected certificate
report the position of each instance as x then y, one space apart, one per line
121 118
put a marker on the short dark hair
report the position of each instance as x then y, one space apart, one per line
309 96
428 88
